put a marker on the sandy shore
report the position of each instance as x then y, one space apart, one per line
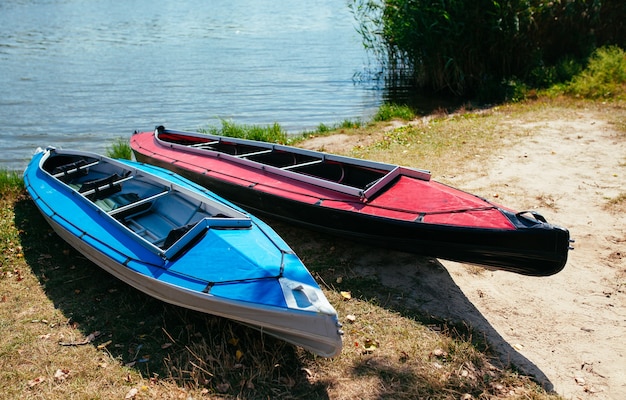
567 330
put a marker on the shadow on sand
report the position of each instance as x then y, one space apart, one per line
424 287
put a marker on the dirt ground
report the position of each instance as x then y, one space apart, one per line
567 330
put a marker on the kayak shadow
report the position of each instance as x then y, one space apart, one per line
422 289
148 335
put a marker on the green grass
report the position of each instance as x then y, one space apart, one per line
120 148
387 112
10 181
272 133
275 133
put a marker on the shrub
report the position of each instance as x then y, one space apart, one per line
605 75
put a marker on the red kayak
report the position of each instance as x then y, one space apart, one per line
383 204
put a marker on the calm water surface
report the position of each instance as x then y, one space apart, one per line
81 73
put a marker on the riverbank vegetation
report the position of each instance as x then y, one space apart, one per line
486 49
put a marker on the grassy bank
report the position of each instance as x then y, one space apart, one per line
68 327
69 330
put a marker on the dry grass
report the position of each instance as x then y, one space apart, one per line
617 204
69 330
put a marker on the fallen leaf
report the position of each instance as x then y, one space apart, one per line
350 318
88 339
439 353
131 393
233 341
346 295
238 354
36 381
61 374
370 345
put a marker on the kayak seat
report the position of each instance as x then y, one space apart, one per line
179 210
69 171
152 226
155 217
118 200
101 188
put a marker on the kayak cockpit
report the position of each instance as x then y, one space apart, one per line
360 178
163 216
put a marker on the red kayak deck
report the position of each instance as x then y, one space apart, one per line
405 198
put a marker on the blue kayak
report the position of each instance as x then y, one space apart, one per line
182 244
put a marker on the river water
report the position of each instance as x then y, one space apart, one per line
81 73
